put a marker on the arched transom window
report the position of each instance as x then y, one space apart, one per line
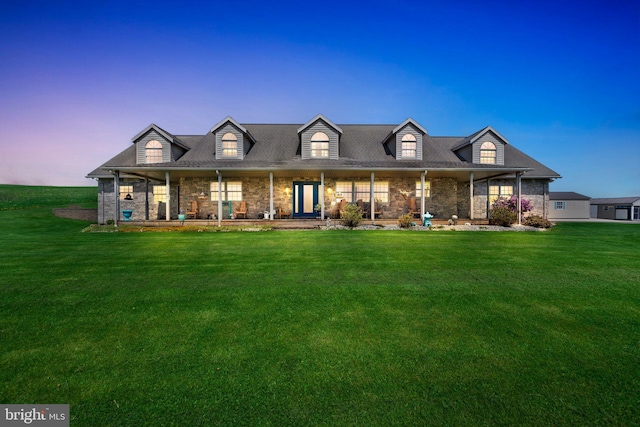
229 145
409 147
488 153
320 145
153 152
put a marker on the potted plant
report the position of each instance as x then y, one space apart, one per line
182 217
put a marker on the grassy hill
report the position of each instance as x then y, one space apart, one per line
26 196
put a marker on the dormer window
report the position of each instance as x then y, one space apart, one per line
320 145
229 145
153 152
409 147
488 153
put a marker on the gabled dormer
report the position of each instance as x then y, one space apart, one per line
156 145
405 141
319 139
233 141
483 147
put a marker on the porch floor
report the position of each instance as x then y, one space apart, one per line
292 224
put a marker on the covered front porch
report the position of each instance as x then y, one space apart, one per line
216 197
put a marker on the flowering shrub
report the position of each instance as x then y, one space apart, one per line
504 211
512 204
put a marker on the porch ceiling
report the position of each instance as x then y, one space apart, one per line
459 175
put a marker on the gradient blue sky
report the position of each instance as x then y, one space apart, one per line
559 79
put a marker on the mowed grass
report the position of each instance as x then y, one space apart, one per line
321 327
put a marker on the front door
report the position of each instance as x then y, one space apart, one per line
305 198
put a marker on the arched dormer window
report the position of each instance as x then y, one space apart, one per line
488 153
229 145
153 152
319 145
409 147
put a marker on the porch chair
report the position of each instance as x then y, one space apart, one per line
242 210
192 211
283 213
413 209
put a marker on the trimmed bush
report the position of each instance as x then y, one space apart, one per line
405 220
352 215
502 215
537 221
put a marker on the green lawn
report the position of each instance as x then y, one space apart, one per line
318 327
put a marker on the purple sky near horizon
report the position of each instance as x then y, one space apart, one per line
560 82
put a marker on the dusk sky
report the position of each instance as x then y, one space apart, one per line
559 79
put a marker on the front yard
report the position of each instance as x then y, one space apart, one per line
325 327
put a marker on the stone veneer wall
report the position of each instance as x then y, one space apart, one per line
534 190
448 197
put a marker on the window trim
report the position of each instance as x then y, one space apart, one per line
488 153
361 190
153 152
320 145
409 145
235 191
161 195
427 184
229 144
125 189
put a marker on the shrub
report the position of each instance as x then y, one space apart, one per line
352 215
405 220
537 221
502 215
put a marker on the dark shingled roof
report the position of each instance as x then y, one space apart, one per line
362 147
615 201
567 195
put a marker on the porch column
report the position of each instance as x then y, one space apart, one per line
372 199
146 199
168 190
271 195
219 198
488 197
422 201
116 193
470 195
322 196
519 190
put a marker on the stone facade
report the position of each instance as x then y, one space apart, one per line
448 196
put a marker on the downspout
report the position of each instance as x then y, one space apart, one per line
219 198
146 199
488 196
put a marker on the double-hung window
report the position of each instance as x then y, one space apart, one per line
496 191
229 145
231 190
320 145
153 152
559 206
409 147
427 189
159 193
126 189
488 153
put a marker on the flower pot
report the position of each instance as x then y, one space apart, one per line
126 213
182 217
